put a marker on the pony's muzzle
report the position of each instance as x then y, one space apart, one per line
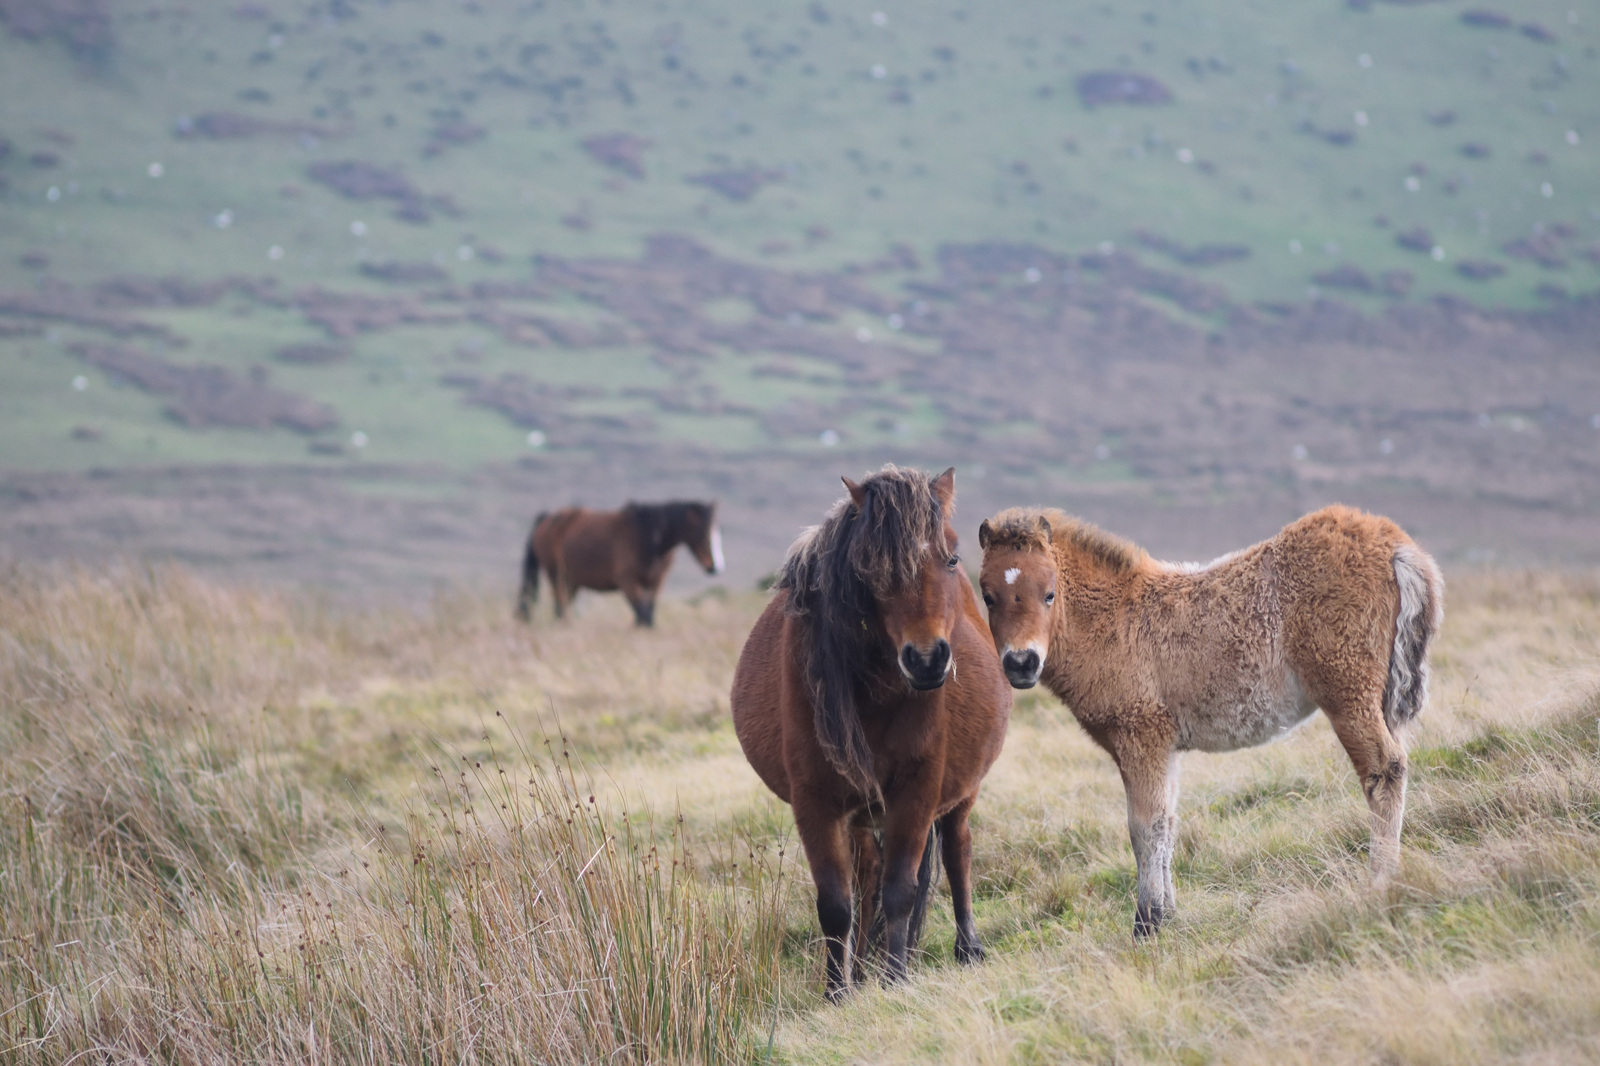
1022 667
926 670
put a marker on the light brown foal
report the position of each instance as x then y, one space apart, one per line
1153 659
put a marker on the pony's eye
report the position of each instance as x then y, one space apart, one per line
953 562
988 600
1049 598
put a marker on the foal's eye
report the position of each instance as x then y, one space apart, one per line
1049 598
988 600
952 562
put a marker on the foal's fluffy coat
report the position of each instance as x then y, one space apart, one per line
1335 612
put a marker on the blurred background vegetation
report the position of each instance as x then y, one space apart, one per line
444 256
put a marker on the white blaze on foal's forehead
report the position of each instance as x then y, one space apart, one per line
1012 575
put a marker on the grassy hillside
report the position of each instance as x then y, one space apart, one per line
428 190
234 825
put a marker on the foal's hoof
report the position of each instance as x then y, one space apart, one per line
1147 922
838 994
969 953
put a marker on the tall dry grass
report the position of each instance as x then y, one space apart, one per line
240 825
172 889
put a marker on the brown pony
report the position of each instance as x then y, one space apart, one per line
869 698
1153 659
630 549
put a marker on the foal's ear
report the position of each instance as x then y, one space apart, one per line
944 489
985 534
1044 528
858 495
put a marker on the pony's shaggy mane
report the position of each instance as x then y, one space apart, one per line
1019 528
835 574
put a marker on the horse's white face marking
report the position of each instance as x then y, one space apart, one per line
924 545
718 563
1012 575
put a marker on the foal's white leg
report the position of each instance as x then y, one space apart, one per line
1170 894
1152 786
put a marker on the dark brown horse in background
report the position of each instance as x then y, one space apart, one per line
870 697
630 549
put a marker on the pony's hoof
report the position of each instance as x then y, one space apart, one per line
838 994
969 954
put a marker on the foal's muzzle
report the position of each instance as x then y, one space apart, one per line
926 671
1022 667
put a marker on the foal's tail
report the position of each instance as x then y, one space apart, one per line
529 593
1421 611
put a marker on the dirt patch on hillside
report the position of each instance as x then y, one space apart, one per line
312 354
1121 87
84 26
619 151
201 395
105 307
357 180
737 185
537 405
405 273
232 126
1191 255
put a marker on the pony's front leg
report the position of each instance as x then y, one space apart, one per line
905 839
1150 777
956 840
826 841
869 874
643 602
561 590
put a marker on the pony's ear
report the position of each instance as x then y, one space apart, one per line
858 495
1044 528
944 489
985 534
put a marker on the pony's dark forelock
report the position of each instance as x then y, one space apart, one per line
835 575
